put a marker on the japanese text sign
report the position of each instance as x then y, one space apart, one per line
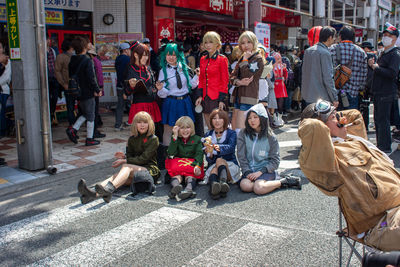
13 29
263 33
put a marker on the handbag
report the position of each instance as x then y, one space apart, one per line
342 72
73 84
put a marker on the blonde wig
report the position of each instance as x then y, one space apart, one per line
186 122
143 116
213 37
251 37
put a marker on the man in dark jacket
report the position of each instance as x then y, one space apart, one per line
83 66
384 87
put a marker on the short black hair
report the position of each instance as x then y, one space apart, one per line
347 33
326 32
66 44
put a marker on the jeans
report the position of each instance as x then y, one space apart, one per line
70 101
382 109
119 110
3 124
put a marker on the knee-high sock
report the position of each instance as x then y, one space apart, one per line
174 182
222 173
89 129
78 123
190 183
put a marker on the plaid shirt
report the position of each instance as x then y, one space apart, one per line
358 68
51 61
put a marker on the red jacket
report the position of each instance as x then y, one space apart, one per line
214 76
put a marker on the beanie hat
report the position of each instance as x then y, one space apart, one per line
142 182
260 110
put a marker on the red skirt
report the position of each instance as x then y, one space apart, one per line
280 89
151 108
181 166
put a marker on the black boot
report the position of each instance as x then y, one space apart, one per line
290 182
222 173
161 156
105 191
176 190
87 195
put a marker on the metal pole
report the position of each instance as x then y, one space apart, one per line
246 14
44 97
329 12
355 12
344 11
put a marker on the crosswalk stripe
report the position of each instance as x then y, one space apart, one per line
244 247
47 221
111 245
293 143
289 164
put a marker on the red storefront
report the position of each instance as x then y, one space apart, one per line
192 18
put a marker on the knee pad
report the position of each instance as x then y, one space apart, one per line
142 182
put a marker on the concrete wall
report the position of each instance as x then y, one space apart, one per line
118 10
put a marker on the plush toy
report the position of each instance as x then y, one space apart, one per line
207 142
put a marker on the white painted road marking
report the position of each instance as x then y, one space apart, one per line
245 247
47 221
113 244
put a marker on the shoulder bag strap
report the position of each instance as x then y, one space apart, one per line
351 59
338 55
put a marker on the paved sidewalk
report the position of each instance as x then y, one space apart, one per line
66 155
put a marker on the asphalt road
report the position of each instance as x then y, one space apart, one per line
42 223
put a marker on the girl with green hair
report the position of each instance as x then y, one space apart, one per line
177 85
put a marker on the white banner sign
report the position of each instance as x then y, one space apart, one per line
80 5
263 33
386 4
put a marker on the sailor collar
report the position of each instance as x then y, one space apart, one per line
143 72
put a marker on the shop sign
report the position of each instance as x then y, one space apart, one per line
81 5
359 32
54 17
165 29
13 29
281 33
293 21
107 45
215 6
263 33
3 13
385 4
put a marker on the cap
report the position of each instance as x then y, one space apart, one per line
124 46
391 30
92 50
367 45
145 41
320 110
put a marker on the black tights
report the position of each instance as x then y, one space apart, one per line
281 103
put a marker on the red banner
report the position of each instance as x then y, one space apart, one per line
165 29
182 166
216 6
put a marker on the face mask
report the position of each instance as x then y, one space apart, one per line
228 52
380 50
387 41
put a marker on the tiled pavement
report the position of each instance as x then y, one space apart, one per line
66 155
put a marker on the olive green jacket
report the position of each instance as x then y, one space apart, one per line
193 149
142 151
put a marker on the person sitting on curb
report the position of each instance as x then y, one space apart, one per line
139 163
337 158
187 163
258 154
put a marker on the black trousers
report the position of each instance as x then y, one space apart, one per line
383 106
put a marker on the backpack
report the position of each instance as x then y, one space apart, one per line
73 83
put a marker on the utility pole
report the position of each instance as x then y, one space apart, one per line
255 10
27 87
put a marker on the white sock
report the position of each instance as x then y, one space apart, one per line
79 123
89 129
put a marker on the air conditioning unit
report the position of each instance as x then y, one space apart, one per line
363 13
